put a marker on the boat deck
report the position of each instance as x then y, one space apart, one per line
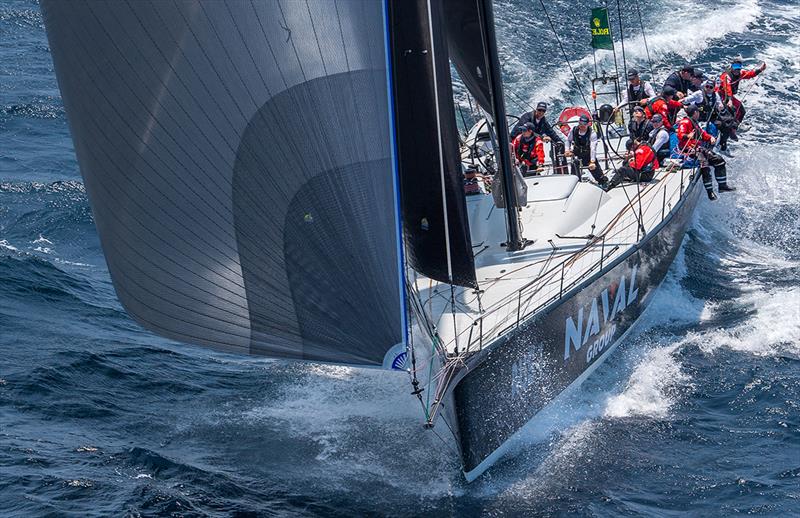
576 229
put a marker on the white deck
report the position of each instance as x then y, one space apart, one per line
515 285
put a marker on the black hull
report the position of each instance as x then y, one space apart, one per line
510 381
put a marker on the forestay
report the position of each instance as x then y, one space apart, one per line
238 158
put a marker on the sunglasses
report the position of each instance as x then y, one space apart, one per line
709 87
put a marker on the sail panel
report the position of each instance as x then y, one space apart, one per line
238 159
435 220
466 46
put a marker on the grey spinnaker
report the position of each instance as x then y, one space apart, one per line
238 158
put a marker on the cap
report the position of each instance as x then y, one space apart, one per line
632 73
698 74
709 82
688 68
629 144
528 126
638 109
690 110
668 90
657 118
541 106
584 119
737 59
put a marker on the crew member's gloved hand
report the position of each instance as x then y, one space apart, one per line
592 166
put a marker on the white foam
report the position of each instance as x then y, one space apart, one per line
652 388
671 302
5 244
774 329
687 31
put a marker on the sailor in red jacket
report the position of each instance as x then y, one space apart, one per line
526 149
665 105
640 167
729 86
692 140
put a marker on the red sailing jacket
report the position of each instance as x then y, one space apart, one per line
729 86
662 106
685 128
524 151
643 157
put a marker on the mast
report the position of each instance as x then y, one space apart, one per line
486 15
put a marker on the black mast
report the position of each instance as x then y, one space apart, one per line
486 15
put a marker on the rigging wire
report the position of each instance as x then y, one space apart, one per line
564 52
646 48
622 41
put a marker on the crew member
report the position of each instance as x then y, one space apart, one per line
729 87
681 81
665 105
524 150
691 139
639 127
638 91
542 131
640 167
582 144
712 109
659 138
697 81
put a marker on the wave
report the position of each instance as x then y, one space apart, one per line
39 108
686 34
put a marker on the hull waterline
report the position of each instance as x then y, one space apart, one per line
519 379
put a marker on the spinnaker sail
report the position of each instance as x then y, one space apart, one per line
239 161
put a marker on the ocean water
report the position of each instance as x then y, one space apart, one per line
698 414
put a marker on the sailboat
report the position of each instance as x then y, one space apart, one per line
286 179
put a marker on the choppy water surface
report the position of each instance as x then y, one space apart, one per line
698 414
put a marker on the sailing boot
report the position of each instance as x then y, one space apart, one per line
615 180
722 179
708 183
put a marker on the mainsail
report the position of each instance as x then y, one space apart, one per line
239 160
467 43
435 221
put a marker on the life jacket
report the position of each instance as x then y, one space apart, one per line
686 143
644 159
541 127
638 132
583 142
634 97
524 150
650 109
652 140
727 81
708 106
678 83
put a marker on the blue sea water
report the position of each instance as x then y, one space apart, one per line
698 414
